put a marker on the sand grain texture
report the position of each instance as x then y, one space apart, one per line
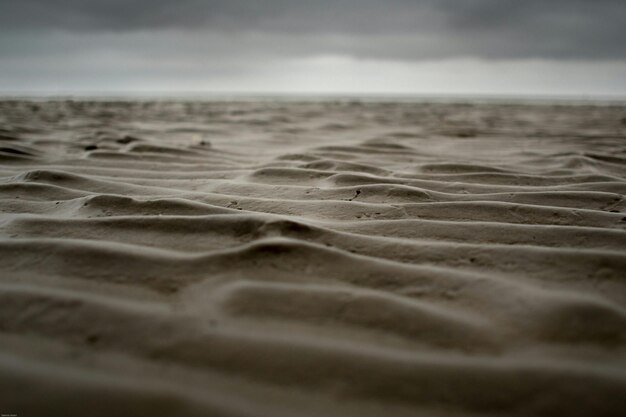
312 258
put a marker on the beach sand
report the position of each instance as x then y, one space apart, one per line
338 258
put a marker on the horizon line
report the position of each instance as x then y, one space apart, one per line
288 96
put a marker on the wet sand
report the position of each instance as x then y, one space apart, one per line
312 259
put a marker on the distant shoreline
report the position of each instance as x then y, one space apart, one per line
308 97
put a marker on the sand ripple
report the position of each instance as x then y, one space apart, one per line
296 259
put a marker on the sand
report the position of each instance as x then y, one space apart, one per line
276 258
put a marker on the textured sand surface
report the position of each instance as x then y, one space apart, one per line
312 259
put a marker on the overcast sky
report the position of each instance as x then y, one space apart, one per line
548 47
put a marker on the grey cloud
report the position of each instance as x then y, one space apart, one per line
378 29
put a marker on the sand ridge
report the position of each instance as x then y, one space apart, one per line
277 258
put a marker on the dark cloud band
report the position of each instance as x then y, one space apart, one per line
382 29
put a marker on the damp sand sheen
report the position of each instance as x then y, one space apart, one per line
315 258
